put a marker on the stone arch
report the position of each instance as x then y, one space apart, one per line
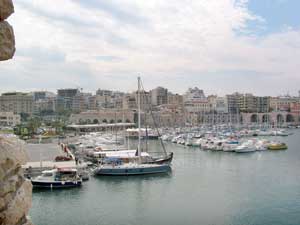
104 121
254 118
88 121
290 118
266 118
111 121
128 121
279 119
95 121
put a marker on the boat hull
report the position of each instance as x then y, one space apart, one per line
277 147
166 160
123 171
56 184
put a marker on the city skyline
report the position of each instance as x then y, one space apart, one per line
221 47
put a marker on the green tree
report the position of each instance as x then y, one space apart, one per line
33 124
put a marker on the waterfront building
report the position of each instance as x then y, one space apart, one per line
129 102
16 102
103 116
42 95
9 119
295 108
65 98
194 95
175 99
47 104
263 104
145 99
282 103
80 102
159 96
247 103
221 105
165 117
217 104
233 102
195 101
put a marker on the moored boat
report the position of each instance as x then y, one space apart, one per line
247 146
277 146
119 168
57 178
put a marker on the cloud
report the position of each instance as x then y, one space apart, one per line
177 44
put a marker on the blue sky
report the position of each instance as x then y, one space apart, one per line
278 15
221 46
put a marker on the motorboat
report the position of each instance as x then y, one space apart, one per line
247 146
57 178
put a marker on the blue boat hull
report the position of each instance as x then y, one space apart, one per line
132 171
56 184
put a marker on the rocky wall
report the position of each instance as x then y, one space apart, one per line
15 190
7 38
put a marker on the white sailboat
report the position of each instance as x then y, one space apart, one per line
134 168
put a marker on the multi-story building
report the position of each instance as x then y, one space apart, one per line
263 104
233 102
81 102
159 96
129 102
145 99
282 103
47 104
16 102
295 108
247 103
9 119
195 101
65 98
42 95
221 105
175 99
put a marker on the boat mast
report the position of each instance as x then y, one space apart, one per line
139 117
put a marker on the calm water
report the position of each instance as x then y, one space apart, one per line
204 188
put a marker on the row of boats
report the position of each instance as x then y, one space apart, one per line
234 141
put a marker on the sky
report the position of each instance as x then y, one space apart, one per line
220 46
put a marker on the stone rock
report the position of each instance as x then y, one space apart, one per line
12 153
6 9
19 207
7 41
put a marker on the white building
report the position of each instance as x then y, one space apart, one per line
9 119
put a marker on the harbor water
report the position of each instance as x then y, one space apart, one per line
204 187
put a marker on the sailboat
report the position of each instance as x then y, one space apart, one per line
137 167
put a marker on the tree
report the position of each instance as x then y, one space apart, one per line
32 125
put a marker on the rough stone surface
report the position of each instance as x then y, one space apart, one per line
19 207
15 191
12 153
6 9
7 41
